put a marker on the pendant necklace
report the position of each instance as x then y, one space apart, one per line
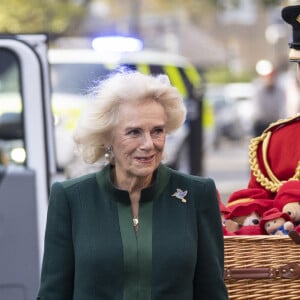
135 221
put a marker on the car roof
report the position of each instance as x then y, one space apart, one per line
151 57
181 72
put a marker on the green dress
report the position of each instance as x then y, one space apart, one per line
93 253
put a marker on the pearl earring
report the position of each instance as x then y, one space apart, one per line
108 153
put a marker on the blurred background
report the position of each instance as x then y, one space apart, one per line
230 34
210 49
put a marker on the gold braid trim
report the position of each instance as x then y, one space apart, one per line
265 144
272 183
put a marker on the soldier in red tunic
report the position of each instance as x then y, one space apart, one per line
275 154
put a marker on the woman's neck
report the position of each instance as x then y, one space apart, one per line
132 184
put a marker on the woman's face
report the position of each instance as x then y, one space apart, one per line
139 139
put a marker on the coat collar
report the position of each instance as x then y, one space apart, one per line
161 178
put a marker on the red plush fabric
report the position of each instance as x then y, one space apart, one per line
227 233
272 214
288 192
223 209
297 229
249 230
244 202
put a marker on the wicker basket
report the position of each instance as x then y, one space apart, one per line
262 267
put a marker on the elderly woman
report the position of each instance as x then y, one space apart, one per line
135 230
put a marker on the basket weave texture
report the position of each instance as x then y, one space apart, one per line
271 252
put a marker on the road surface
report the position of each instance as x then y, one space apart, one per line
228 166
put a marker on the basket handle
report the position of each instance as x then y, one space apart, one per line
288 271
295 236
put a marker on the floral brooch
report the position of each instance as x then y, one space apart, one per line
180 194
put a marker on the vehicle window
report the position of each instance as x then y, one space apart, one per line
70 84
11 121
76 78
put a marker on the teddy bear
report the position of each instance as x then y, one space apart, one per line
287 200
247 224
275 222
246 208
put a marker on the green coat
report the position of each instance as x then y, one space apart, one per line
92 253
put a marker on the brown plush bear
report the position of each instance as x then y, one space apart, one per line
275 222
287 200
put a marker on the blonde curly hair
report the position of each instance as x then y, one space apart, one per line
95 128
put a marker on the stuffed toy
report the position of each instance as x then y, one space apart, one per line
274 156
275 222
224 211
246 208
287 200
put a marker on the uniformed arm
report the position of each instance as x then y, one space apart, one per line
208 282
58 262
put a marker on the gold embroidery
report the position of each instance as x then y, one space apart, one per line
272 183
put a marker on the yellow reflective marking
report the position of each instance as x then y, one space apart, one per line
208 114
176 79
67 117
110 66
143 68
193 75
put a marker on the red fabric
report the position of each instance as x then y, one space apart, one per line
244 202
297 229
288 192
223 209
249 230
248 193
283 152
272 214
226 232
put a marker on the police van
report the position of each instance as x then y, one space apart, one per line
33 149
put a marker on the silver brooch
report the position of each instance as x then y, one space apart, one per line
180 194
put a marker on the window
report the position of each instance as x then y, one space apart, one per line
11 124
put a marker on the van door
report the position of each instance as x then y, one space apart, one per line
26 162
